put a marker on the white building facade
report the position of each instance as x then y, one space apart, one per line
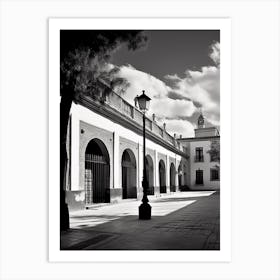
105 153
203 168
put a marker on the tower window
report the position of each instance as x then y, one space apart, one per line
199 154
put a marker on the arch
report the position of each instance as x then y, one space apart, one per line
180 175
97 172
172 177
150 173
128 174
162 177
185 174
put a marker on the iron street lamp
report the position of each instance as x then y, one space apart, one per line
145 208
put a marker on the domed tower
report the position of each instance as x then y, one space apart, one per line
200 121
202 130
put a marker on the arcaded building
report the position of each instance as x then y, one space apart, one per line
105 148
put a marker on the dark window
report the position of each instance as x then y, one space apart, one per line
214 174
199 154
199 177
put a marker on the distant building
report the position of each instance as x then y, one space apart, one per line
203 169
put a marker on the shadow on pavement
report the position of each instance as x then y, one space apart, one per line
192 227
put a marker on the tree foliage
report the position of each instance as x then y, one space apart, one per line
214 151
85 55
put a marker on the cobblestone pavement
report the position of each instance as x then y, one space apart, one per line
180 221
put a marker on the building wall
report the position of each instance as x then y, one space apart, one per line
87 125
206 132
206 165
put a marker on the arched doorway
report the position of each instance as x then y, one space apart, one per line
172 177
150 173
180 176
184 173
97 172
128 175
162 177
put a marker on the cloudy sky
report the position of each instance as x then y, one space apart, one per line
180 71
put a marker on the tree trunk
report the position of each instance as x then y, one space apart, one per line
65 106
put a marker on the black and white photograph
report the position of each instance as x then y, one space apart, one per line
140 140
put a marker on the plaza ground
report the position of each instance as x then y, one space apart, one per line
180 221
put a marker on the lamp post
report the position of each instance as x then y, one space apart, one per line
145 208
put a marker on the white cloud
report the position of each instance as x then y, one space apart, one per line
203 86
215 52
139 81
172 104
157 90
172 108
183 127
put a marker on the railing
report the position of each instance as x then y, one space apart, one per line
138 116
148 124
116 101
168 137
127 109
156 129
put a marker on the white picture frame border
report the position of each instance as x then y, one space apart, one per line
222 255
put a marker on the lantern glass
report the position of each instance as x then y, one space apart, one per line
144 102
147 106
